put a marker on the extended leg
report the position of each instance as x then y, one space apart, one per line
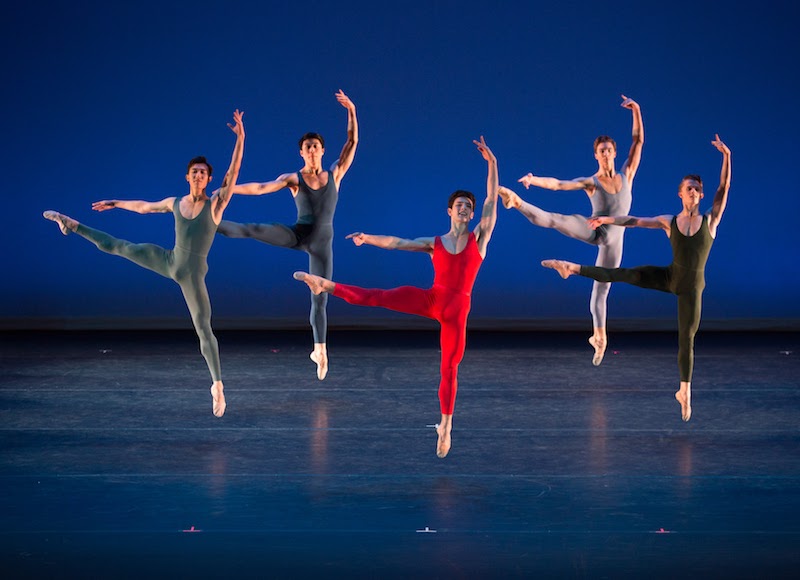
572 226
148 256
273 234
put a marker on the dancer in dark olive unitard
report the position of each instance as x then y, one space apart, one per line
315 193
196 218
691 235
457 257
609 192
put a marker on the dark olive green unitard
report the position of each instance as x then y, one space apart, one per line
186 264
685 278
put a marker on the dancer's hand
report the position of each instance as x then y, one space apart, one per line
628 103
357 237
527 180
485 151
596 222
721 147
345 101
104 205
238 124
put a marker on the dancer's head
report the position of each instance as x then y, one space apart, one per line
197 160
461 201
198 172
605 139
605 151
312 148
691 189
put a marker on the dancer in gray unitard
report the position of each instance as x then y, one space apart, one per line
691 235
315 193
610 194
196 218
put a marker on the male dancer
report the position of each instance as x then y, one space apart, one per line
610 194
315 193
457 257
196 218
691 235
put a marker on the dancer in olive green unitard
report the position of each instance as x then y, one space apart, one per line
196 218
691 235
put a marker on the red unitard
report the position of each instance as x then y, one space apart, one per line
448 301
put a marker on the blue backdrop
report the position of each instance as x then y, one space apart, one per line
110 100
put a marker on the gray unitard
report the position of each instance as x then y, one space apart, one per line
685 278
607 238
186 264
312 234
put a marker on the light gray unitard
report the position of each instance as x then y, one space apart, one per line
312 233
607 238
186 264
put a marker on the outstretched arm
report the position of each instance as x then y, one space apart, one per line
222 197
721 197
577 184
637 141
341 165
393 242
483 232
163 206
284 180
661 222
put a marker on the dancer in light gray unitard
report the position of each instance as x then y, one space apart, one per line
610 194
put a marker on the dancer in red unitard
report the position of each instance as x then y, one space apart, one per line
457 257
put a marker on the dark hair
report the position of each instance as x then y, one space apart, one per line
199 159
308 136
604 139
461 193
693 177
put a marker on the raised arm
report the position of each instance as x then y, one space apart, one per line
721 197
585 183
163 206
662 222
222 196
483 231
393 242
637 139
341 165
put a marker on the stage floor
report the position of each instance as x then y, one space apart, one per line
112 464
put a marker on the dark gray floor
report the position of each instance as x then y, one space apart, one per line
112 465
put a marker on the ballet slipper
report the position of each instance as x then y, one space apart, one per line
443 442
686 405
322 364
559 266
599 350
65 224
219 405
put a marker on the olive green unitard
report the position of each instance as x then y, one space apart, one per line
186 263
685 278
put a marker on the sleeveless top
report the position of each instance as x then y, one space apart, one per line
316 206
611 204
456 272
690 252
194 235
